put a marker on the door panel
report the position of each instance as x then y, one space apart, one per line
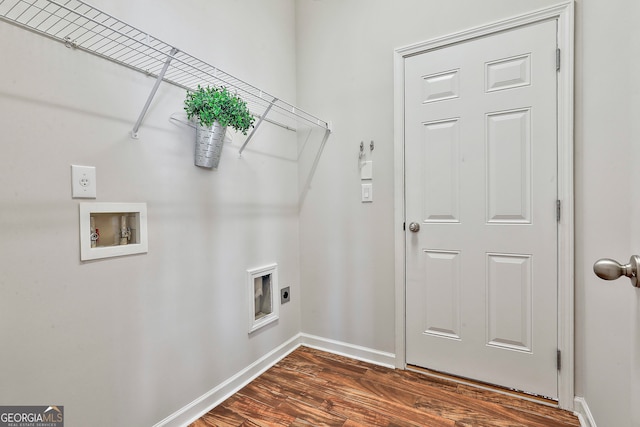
440 153
509 167
442 313
509 301
481 180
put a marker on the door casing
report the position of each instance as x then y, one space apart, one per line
564 14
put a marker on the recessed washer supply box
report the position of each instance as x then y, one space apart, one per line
112 229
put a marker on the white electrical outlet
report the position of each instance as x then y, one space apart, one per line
83 182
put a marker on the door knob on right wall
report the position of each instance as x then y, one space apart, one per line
609 269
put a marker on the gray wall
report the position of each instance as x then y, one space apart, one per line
128 341
608 338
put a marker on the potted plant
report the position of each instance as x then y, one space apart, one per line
215 108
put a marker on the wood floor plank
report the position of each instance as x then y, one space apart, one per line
357 394
351 423
310 414
356 413
454 405
401 414
223 417
332 400
434 394
309 390
313 388
522 404
346 367
257 391
315 392
259 413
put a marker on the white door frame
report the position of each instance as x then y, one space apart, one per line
564 13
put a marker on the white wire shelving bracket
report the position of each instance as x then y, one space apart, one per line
81 26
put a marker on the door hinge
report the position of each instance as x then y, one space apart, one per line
558 59
558 210
559 360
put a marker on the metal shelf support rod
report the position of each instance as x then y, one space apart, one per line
257 125
312 172
134 132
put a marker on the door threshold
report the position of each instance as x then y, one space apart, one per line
543 400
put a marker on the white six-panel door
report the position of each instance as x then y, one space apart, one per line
481 182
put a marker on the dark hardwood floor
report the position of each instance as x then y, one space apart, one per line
314 388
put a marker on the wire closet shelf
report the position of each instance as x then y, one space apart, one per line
81 26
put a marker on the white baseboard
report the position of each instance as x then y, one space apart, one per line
217 395
581 409
349 350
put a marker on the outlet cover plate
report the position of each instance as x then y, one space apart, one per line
367 192
83 182
366 170
285 295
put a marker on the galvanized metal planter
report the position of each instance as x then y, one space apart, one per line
209 143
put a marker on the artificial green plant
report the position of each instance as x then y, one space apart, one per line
209 104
